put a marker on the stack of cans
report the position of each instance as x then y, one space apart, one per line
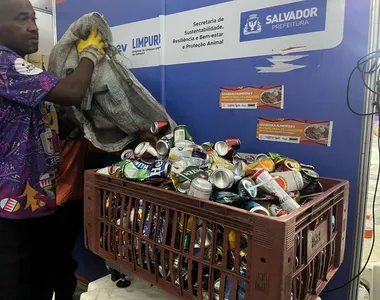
265 183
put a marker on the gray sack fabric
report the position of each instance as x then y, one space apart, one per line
117 107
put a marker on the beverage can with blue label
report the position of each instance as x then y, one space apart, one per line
141 171
256 208
247 189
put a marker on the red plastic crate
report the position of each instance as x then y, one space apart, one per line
291 256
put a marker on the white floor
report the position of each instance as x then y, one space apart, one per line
105 289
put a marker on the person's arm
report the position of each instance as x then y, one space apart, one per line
72 89
23 83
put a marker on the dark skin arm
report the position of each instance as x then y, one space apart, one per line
72 89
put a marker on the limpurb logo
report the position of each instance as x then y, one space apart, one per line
289 19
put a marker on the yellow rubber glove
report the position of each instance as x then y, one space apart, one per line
93 47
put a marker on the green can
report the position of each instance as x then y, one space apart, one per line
182 134
186 242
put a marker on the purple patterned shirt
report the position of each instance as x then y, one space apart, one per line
29 144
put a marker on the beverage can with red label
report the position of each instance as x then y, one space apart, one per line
159 127
234 143
270 186
293 180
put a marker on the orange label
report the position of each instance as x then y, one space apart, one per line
252 97
294 131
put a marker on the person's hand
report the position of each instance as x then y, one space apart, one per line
93 47
146 136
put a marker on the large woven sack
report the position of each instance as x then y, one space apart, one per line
116 107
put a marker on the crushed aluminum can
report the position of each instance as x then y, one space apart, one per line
164 144
264 163
216 289
218 258
179 153
247 189
309 177
333 223
276 211
219 162
194 161
159 127
244 257
274 155
145 149
231 239
159 170
234 143
240 168
289 165
179 166
128 154
295 196
208 237
199 154
223 149
184 187
163 147
161 271
184 275
104 171
293 180
271 186
181 134
248 158
200 188
255 208
191 172
189 223
261 156
140 171
222 179
207 146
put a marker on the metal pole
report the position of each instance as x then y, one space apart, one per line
365 153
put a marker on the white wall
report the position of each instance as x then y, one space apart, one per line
45 21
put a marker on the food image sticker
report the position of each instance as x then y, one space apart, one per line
252 97
295 131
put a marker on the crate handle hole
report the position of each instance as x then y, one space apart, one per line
89 198
289 260
263 260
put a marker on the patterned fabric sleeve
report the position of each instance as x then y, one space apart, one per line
22 82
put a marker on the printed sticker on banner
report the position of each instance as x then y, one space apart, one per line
252 97
294 131
283 20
